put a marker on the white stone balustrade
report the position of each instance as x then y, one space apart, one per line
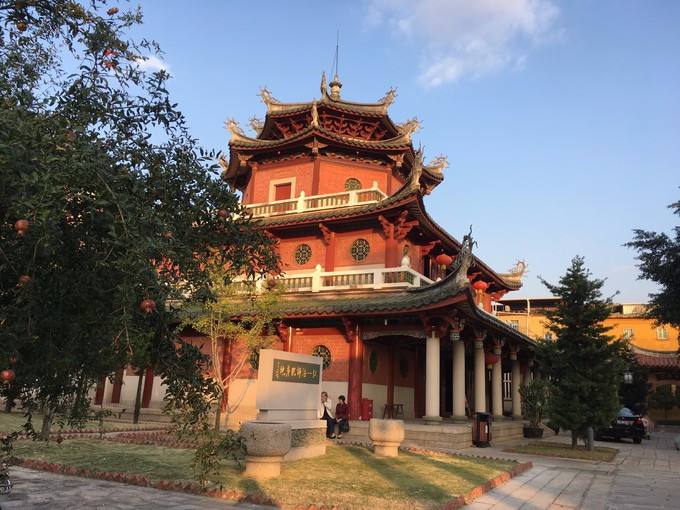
317 202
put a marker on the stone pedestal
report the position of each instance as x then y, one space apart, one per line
266 445
387 436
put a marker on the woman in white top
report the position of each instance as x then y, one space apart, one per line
325 412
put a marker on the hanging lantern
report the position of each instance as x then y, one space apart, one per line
7 375
490 359
24 279
444 260
21 226
147 305
480 285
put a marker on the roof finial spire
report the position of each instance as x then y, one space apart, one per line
335 84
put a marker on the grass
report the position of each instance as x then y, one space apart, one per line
9 422
563 450
349 477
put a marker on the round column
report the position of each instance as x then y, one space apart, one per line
432 379
458 377
480 383
497 384
516 381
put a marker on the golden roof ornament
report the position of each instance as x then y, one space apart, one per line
234 128
388 98
438 164
409 127
256 125
315 115
324 86
267 98
516 272
416 170
335 88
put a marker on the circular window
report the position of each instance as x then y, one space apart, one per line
352 184
373 361
403 367
360 249
303 253
324 353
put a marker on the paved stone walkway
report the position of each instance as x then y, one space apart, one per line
40 490
642 477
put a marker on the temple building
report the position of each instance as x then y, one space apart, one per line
655 346
398 308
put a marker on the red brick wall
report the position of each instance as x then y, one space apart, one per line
334 173
258 189
287 249
304 342
343 245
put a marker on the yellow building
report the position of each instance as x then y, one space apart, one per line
655 347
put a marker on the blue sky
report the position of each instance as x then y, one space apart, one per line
561 120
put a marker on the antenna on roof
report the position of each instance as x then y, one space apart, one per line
335 84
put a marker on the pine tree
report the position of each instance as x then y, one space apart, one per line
585 364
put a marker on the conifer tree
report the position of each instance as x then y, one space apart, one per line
585 363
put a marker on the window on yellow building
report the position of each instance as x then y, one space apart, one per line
661 333
627 333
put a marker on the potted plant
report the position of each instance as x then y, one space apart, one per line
535 396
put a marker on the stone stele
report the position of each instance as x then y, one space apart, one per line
288 391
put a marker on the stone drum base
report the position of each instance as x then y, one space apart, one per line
263 468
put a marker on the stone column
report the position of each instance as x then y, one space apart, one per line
432 378
497 384
458 376
480 376
516 381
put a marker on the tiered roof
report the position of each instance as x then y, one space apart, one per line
329 124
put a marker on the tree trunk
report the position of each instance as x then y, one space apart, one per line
574 439
138 397
218 415
589 438
47 417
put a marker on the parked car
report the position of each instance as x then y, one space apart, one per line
626 424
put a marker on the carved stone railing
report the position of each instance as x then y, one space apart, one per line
379 278
317 202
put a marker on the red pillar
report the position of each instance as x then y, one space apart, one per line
117 387
330 254
392 253
356 376
148 387
99 393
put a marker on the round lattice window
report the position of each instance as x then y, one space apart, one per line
373 361
324 353
403 367
352 184
360 249
303 253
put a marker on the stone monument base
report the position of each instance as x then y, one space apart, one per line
263 468
309 439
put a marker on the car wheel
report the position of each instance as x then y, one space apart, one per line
637 440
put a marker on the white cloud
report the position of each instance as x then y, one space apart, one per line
467 38
152 63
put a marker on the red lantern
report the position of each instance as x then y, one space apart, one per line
490 358
7 375
443 259
480 285
147 305
21 226
24 279
222 213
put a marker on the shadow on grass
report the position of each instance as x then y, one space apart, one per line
469 469
408 482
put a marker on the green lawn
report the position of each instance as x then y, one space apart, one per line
564 450
350 477
10 422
